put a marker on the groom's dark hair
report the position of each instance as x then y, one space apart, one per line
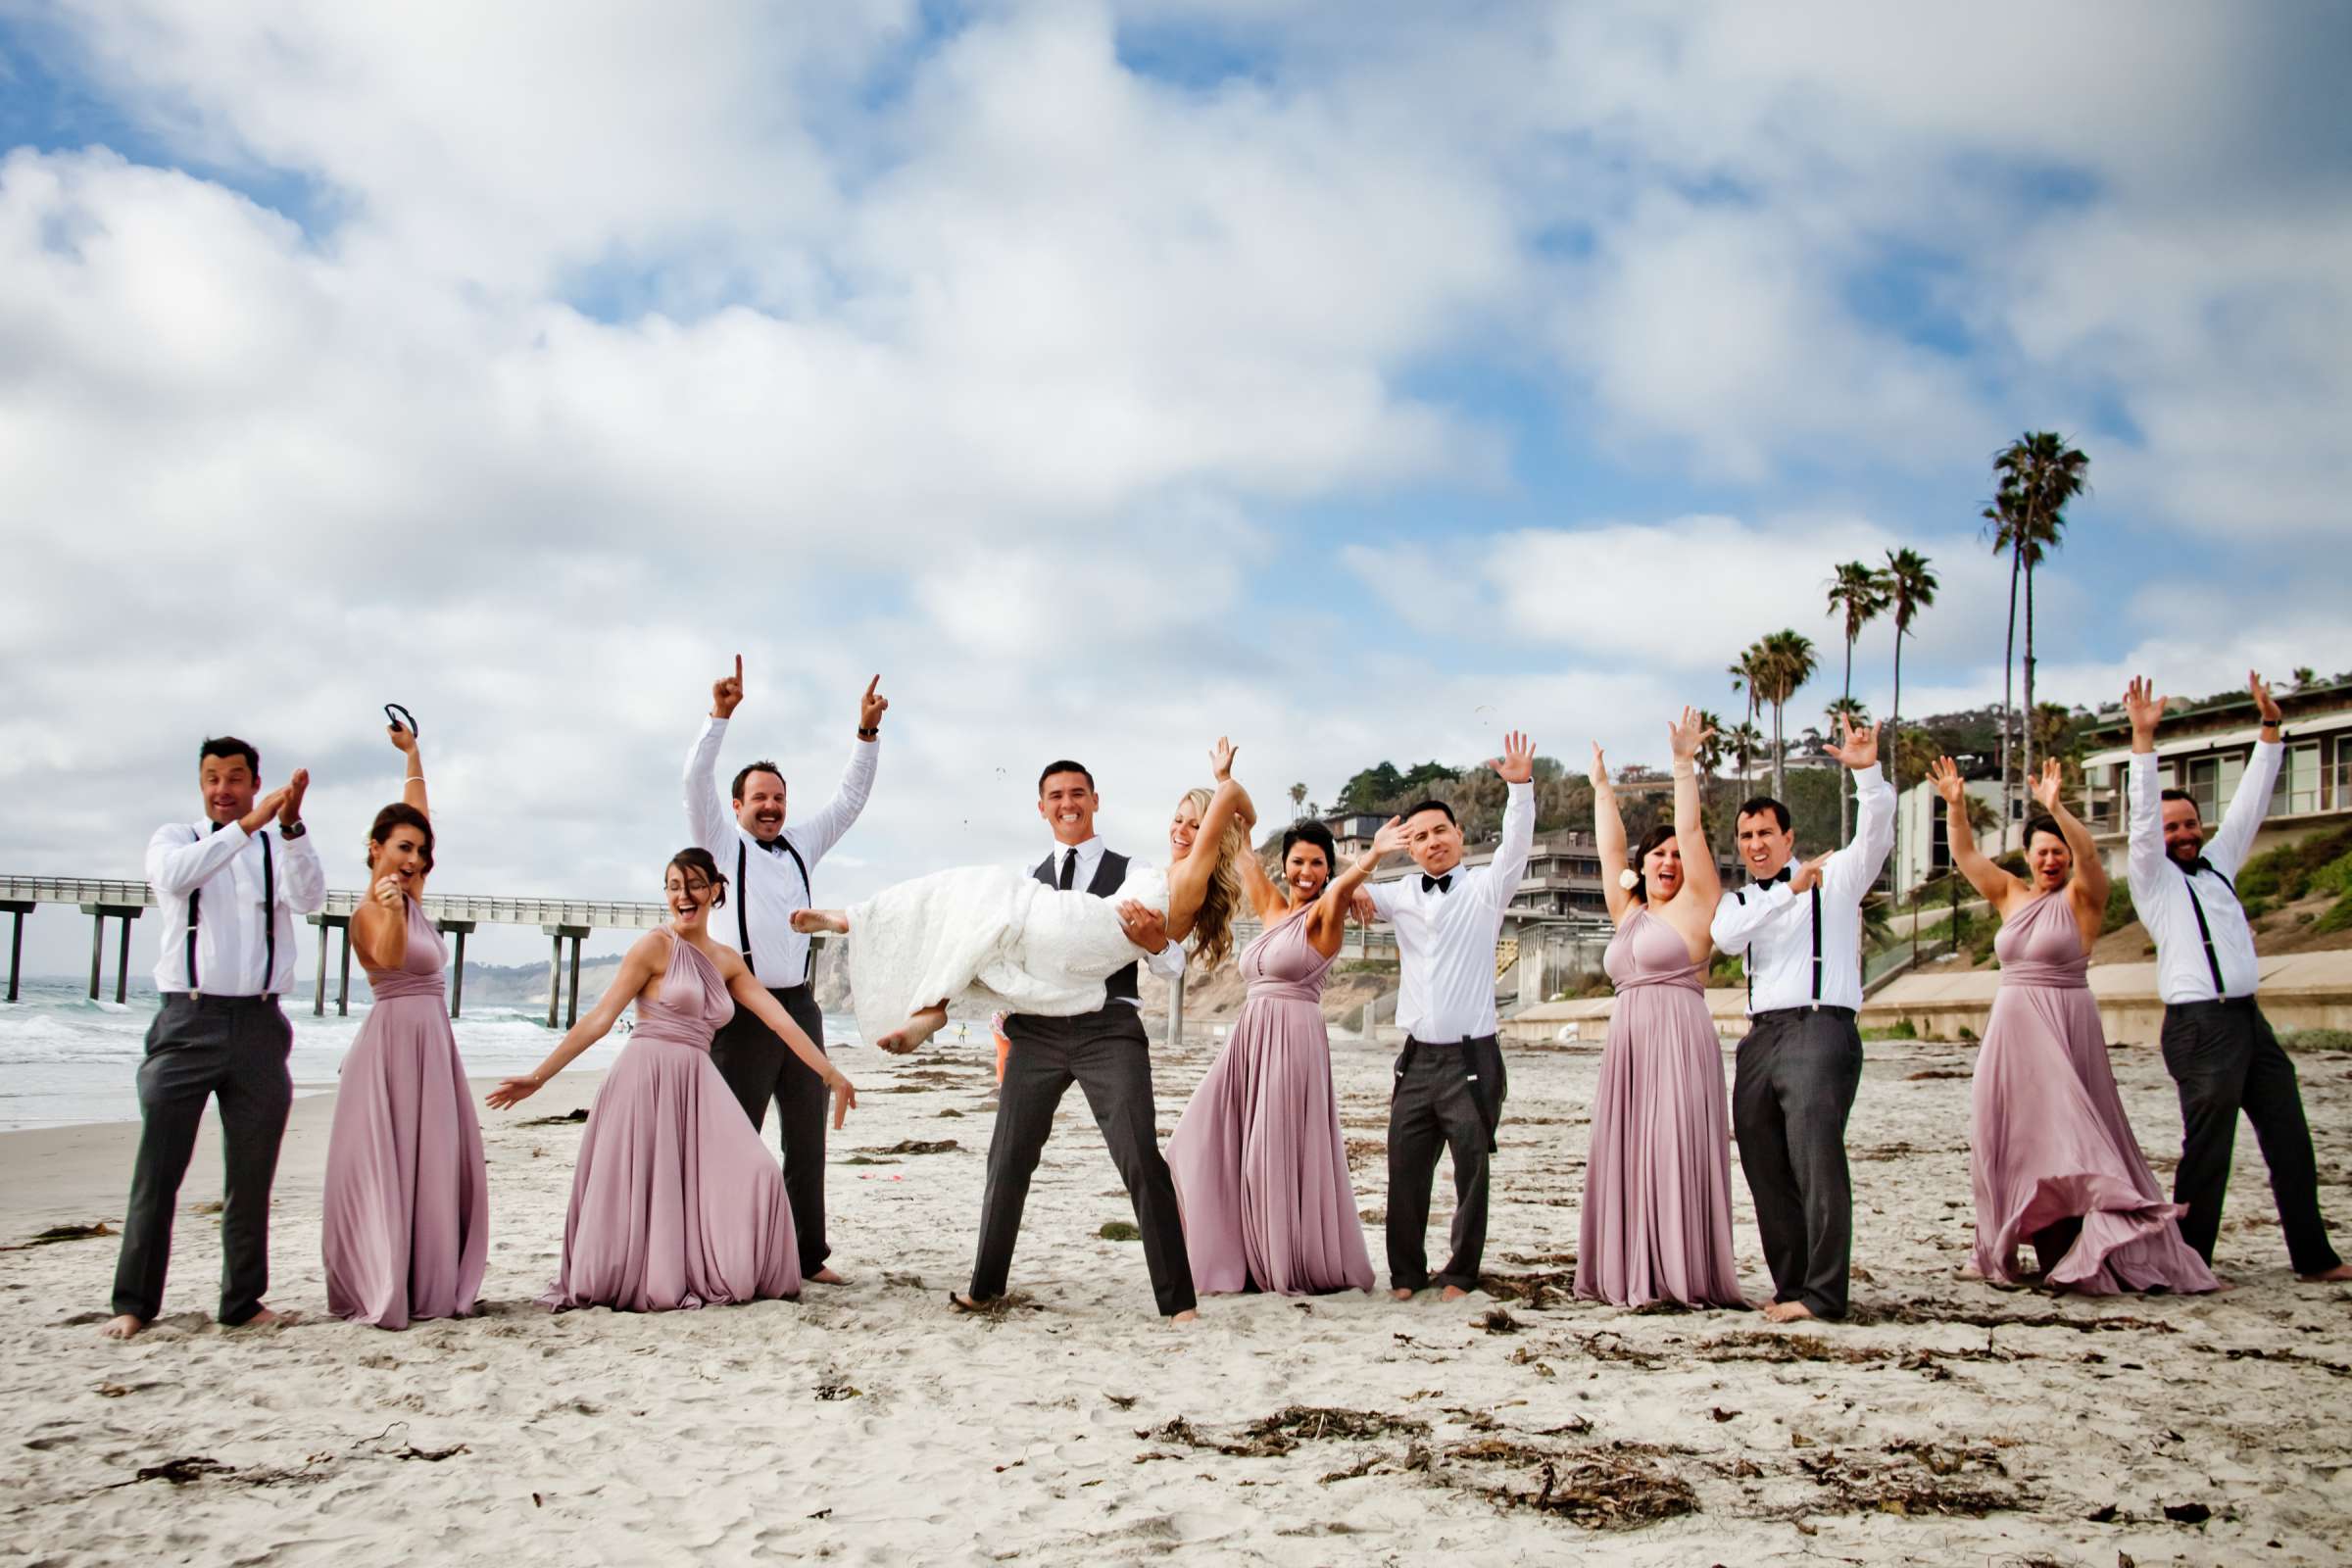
1064 765
744 773
1412 811
1759 804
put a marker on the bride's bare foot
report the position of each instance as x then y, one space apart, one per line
922 1025
124 1327
834 920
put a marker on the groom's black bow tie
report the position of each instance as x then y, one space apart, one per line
1781 875
2200 863
1439 884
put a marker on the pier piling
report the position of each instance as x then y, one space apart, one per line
18 910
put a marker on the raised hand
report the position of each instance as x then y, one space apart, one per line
386 893
1517 764
1220 758
1860 746
268 807
404 739
2260 689
1686 737
1601 770
871 708
2048 785
1944 774
2144 707
511 1092
289 807
1389 840
727 691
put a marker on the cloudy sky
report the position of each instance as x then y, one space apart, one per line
1349 380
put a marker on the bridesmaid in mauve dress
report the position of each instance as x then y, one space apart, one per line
2052 1154
407 1223
1657 1216
676 1203
1259 1160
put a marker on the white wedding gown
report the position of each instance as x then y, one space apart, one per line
989 939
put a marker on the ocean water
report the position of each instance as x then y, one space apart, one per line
65 1059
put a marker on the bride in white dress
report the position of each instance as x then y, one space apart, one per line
990 938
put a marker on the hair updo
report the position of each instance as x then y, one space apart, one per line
696 862
1649 840
399 813
1306 830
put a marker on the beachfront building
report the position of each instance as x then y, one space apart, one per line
2204 751
1922 850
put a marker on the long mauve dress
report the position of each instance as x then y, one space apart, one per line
1657 1219
2050 1144
675 1203
406 1224
1259 1165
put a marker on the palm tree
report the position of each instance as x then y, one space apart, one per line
2038 474
1298 799
1851 709
1859 590
1910 589
1783 661
1746 743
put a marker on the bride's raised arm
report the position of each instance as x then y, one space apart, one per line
1188 878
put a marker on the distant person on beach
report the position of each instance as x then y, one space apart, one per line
1657 1214
2218 1045
770 862
1450 1078
675 1201
1258 1159
1057 946
406 1227
2052 1154
1798 931
227 888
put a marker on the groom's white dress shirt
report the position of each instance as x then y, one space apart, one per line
1446 937
2168 898
1168 962
225 871
1773 929
771 884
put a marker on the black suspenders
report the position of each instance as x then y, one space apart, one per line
269 919
1747 964
743 905
2213 960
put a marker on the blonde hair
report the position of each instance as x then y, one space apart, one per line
1212 927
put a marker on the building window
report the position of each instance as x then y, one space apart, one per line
2211 781
2298 789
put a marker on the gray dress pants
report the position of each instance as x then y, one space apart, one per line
1790 1094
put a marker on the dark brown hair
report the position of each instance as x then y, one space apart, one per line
742 773
697 860
399 813
1649 840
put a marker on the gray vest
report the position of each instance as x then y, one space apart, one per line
1109 874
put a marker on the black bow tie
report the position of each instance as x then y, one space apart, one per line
775 846
1439 884
2200 863
1781 875
217 826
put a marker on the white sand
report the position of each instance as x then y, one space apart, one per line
866 1424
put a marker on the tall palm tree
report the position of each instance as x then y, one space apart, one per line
1852 709
1859 592
1298 799
1910 589
2038 473
1742 671
1746 744
1785 660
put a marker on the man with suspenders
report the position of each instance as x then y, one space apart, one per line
229 890
2216 1045
1798 931
769 864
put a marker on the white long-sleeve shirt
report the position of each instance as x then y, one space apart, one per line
1446 938
2168 899
766 883
224 872
1168 962
1773 928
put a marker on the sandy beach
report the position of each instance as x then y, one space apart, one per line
1947 1423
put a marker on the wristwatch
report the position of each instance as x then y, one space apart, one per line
869 734
293 831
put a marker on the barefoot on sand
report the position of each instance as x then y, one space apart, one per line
1787 1312
1401 1293
1452 1292
124 1327
2335 1276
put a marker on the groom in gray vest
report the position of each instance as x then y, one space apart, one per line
1105 1052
